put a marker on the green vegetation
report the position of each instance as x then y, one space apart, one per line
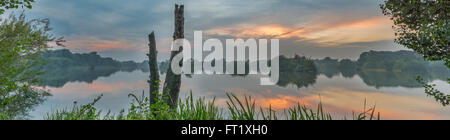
386 69
389 69
62 59
379 69
400 61
299 71
82 67
422 25
328 66
200 109
14 4
438 95
21 43
83 112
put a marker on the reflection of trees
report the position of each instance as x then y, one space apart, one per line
299 71
328 67
348 73
59 77
385 69
389 79
403 79
19 105
64 66
347 68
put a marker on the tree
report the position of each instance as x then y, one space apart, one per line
21 45
14 4
422 25
172 84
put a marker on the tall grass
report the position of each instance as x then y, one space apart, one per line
200 109
82 112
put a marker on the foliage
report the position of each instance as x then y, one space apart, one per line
328 66
431 91
83 67
200 109
189 109
14 4
21 44
422 25
299 71
392 61
19 106
65 59
83 112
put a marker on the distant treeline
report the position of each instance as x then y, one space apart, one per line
63 66
385 69
399 61
60 59
376 68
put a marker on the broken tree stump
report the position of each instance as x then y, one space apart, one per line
154 72
173 82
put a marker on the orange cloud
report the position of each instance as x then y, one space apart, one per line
95 44
102 46
325 34
368 30
251 31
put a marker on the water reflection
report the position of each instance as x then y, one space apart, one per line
298 71
341 88
62 76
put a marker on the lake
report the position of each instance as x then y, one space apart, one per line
396 94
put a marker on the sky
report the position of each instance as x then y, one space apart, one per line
313 28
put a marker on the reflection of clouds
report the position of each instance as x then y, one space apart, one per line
340 97
390 106
119 84
85 90
343 102
265 98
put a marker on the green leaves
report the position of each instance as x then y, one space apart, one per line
422 25
14 4
21 44
201 109
431 91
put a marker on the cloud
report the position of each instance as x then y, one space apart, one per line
121 25
366 30
98 45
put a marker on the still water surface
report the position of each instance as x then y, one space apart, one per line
341 94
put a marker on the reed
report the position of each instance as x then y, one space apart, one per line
201 109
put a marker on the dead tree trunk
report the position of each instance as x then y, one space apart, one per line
154 72
173 82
